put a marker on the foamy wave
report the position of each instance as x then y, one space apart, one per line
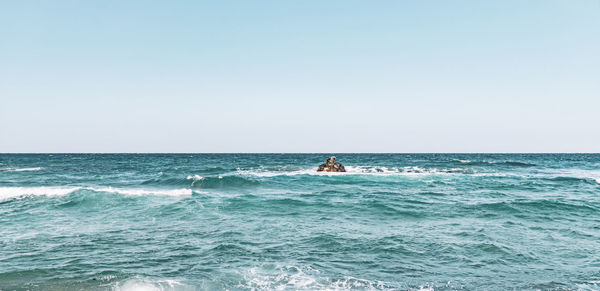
491 174
359 170
593 285
194 177
141 192
15 192
144 284
303 278
373 170
21 169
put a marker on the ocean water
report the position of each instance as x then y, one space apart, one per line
270 222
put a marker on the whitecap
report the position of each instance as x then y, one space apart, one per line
490 175
141 192
145 284
593 285
303 278
21 169
13 192
194 177
350 170
51 191
358 170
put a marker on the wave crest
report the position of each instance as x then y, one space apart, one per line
16 192
138 283
304 278
359 170
21 169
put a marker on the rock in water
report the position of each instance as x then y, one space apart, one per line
331 166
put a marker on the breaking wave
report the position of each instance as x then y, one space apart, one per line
304 278
49 191
145 284
21 169
194 177
359 170
14 192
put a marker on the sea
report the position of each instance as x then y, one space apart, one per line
272 222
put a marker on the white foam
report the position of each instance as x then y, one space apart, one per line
302 278
194 177
490 175
21 169
358 170
144 284
289 277
141 192
349 171
373 170
14 192
593 285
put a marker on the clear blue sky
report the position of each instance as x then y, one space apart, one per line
300 76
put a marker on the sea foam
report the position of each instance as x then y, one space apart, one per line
21 169
50 191
140 192
358 170
194 177
303 278
145 284
13 192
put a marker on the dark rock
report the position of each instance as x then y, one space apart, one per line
331 166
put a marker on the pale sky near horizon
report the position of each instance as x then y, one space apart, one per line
300 76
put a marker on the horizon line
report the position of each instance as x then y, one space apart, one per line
251 153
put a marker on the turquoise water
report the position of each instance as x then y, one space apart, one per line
269 221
